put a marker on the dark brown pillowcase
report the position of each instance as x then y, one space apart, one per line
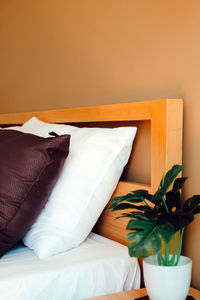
29 168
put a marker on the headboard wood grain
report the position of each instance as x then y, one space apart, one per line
166 119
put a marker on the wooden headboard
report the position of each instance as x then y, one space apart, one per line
165 117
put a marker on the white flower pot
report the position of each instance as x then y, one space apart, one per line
167 283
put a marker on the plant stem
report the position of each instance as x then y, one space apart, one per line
167 254
163 199
179 246
172 260
178 242
161 260
145 201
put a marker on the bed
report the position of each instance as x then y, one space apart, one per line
100 264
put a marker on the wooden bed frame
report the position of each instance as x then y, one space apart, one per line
166 121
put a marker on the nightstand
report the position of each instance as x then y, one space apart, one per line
131 295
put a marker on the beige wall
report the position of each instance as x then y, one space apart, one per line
62 53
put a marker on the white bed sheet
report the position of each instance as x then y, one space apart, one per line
97 267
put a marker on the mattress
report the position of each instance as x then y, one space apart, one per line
97 267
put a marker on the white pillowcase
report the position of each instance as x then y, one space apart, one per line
89 177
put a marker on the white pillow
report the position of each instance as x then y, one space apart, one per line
89 177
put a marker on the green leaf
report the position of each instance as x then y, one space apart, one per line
140 225
147 234
196 210
192 205
166 230
141 193
156 245
179 219
141 208
139 250
116 200
122 206
178 184
173 200
161 182
120 202
130 197
167 181
171 175
122 198
138 215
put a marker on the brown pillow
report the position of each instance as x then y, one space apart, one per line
29 167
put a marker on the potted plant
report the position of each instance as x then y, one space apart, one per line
156 221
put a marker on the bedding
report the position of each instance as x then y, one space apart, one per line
30 166
89 177
97 267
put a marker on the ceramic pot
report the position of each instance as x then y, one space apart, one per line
163 282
